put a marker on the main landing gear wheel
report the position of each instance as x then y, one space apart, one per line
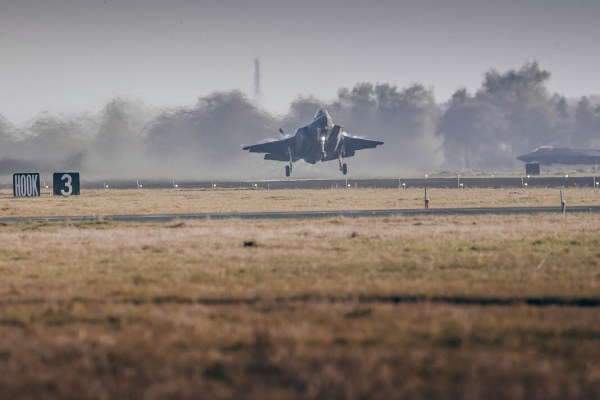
288 168
344 169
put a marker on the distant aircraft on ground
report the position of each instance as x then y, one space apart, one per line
320 140
549 155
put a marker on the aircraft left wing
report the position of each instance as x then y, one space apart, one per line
352 144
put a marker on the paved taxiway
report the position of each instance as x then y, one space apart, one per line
439 183
450 183
442 183
161 218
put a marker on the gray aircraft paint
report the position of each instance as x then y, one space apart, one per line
321 140
548 155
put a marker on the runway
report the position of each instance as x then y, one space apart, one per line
440 183
447 182
162 218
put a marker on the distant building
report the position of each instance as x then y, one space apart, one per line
549 155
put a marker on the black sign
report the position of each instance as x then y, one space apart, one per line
65 183
26 185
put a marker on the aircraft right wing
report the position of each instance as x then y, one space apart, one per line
352 144
277 146
276 150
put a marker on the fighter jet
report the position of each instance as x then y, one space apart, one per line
320 140
548 155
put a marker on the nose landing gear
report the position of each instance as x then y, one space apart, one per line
323 152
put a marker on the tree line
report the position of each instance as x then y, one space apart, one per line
511 113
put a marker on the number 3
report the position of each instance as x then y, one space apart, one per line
69 190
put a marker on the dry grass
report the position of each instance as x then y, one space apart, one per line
184 310
104 202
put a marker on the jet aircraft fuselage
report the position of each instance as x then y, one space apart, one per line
320 140
317 141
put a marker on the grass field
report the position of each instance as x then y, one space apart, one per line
103 202
420 308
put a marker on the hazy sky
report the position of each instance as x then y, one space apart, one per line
74 55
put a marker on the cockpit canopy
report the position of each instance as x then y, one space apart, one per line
320 113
